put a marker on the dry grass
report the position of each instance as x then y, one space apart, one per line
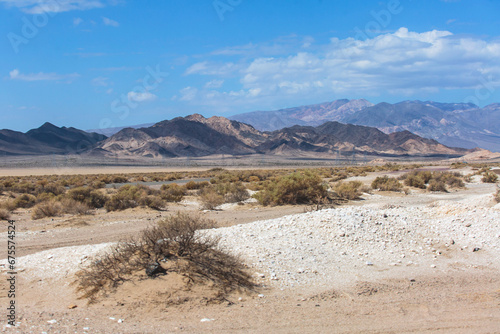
4 214
174 245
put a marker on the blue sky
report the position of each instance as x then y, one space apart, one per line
104 63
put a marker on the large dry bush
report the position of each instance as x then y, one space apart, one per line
386 183
174 245
46 209
173 192
348 190
296 188
25 201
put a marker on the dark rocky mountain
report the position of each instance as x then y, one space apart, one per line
47 139
453 124
198 136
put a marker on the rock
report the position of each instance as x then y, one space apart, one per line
120 321
433 266
53 321
206 320
154 269
476 249
72 306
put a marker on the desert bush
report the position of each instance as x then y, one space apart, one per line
435 185
209 198
176 241
4 214
129 196
25 201
154 202
172 192
191 185
497 196
46 209
232 192
489 177
386 183
339 176
415 179
73 207
296 188
348 190
88 196
43 197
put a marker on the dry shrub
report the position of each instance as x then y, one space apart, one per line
25 201
46 209
386 183
296 188
75 207
129 196
90 197
8 205
497 196
489 177
435 185
173 192
348 190
4 214
209 198
174 245
342 175
232 192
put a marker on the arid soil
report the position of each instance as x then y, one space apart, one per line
458 293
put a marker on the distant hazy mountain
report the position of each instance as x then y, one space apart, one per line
47 139
198 136
315 114
453 124
111 131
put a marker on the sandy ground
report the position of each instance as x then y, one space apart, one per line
459 298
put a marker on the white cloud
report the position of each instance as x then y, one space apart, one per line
16 75
54 6
110 22
77 21
400 63
188 93
214 83
141 96
101 81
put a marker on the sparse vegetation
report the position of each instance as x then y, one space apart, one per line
433 181
296 188
489 177
385 183
174 245
209 198
129 196
497 196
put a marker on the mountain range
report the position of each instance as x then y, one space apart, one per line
47 139
453 124
196 135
